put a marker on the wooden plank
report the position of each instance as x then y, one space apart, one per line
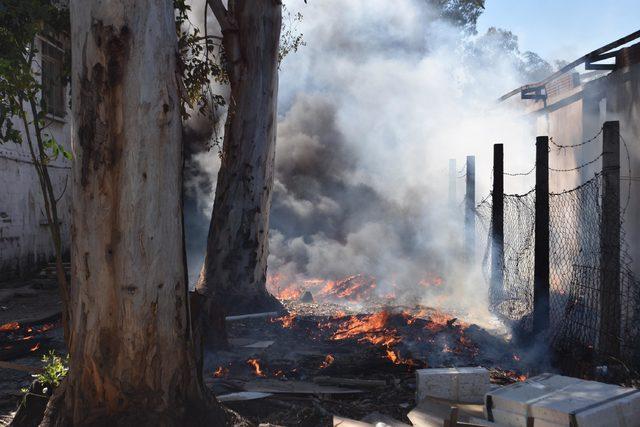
242 396
251 316
352 382
294 387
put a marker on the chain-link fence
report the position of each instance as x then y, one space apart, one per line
577 304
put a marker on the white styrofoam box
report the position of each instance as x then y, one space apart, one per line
554 400
627 413
517 397
558 407
457 384
506 418
543 423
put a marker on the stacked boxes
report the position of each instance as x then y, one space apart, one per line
554 401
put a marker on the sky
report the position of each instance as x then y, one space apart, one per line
562 29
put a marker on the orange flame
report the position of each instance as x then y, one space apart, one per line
370 328
394 356
515 376
10 327
255 363
35 347
411 318
287 321
327 361
220 372
351 287
46 327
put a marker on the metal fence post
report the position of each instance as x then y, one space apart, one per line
609 341
470 212
541 249
497 223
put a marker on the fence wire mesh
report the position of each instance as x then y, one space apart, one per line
577 303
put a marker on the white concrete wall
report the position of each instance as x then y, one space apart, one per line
25 242
577 115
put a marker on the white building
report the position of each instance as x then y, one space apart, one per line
25 241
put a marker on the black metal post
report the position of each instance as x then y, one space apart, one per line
497 223
470 211
610 242
541 250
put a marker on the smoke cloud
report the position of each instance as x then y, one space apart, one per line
370 111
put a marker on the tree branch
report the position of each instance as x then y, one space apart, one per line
225 19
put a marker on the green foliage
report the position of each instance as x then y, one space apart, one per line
20 22
461 13
501 46
55 149
202 58
54 370
290 39
199 61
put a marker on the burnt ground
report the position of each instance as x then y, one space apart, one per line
33 302
317 360
373 355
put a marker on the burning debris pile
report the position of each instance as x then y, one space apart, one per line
387 339
18 339
358 288
367 353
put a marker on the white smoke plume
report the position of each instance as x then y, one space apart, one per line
370 111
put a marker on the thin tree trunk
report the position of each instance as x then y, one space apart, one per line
132 358
233 278
50 206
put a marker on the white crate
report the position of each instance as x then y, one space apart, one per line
518 397
553 401
457 384
626 413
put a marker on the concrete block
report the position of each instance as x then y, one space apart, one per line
456 384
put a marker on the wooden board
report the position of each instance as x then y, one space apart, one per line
294 387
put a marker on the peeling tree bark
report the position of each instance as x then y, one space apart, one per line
131 352
233 278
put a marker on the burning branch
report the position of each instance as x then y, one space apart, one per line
327 361
255 363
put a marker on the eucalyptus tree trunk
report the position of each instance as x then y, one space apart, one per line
233 278
131 349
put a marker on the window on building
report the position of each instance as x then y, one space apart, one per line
52 82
